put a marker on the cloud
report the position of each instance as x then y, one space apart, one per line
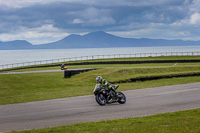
27 3
45 20
194 5
195 18
78 21
44 34
95 17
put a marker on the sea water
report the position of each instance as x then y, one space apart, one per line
20 56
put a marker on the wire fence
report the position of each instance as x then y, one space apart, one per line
92 57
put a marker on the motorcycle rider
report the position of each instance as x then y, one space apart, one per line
102 82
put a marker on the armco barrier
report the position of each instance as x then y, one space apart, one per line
92 57
112 62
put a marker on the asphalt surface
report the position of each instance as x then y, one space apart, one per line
65 111
46 71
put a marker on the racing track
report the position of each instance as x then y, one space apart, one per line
85 109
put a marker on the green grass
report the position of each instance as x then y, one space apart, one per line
149 65
145 58
115 65
18 88
176 122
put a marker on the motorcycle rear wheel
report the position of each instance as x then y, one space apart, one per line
121 98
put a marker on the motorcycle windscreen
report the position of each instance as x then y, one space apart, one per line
97 87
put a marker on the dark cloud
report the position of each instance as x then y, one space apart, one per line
110 16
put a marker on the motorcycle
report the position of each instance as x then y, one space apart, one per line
104 95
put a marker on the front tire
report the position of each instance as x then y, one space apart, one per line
100 99
121 98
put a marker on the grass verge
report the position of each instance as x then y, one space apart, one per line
57 65
176 122
18 88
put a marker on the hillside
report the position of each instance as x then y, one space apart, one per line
97 39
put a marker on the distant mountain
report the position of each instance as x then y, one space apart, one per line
15 45
97 39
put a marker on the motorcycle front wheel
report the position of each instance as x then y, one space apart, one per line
121 98
100 99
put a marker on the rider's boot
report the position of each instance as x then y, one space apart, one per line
109 101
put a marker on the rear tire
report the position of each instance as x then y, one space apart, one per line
100 99
121 98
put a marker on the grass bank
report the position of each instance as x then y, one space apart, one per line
175 122
69 63
18 88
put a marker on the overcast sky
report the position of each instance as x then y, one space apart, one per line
42 21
